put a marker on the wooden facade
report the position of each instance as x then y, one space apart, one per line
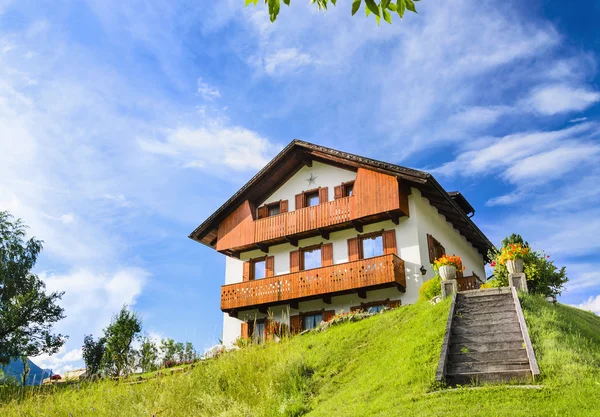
377 272
376 196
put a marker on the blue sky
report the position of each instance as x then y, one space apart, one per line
124 124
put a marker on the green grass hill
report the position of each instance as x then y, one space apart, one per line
382 366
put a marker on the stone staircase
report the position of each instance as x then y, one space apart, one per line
486 340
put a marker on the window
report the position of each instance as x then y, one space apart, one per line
258 333
311 321
371 245
311 199
375 309
259 268
311 257
435 248
274 209
347 189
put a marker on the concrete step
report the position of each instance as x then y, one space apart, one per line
494 319
485 292
486 338
509 327
488 356
475 347
488 377
470 367
486 299
484 309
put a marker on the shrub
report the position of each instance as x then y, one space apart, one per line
430 288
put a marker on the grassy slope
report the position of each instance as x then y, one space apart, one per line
382 366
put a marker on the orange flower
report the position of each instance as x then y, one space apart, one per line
446 260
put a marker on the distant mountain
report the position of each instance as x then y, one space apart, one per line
36 374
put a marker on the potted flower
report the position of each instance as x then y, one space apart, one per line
447 266
512 256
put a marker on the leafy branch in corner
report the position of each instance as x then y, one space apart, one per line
382 9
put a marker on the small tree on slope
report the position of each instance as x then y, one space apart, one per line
120 334
93 353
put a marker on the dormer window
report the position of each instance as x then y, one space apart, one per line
311 198
274 208
345 189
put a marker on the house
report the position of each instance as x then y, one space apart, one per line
318 231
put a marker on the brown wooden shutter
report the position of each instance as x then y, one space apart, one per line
327 254
295 324
270 266
353 254
246 273
263 211
283 206
431 248
328 315
393 304
389 242
323 195
299 201
442 249
337 192
244 334
295 261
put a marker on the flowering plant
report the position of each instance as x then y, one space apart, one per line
512 251
447 260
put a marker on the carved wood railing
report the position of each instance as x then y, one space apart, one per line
380 270
302 220
468 283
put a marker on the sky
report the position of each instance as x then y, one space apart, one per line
123 125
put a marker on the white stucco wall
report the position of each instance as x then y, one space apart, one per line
411 241
326 176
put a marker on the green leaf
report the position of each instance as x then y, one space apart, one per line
372 6
378 20
384 4
247 2
387 16
367 11
355 6
411 6
274 6
287 2
334 2
401 6
392 7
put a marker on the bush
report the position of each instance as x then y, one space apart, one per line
431 288
492 283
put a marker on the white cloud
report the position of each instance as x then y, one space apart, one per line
592 304
505 200
285 60
61 361
561 98
214 148
206 91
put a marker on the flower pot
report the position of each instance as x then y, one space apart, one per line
447 272
514 266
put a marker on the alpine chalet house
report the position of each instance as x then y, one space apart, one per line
318 231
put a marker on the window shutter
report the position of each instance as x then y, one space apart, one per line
295 324
431 248
394 304
283 206
246 273
327 254
328 315
299 201
270 266
323 195
389 242
353 249
442 250
263 211
244 334
337 192
295 261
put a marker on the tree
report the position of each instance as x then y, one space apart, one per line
26 369
179 351
121 332
27 312
189 353
382 9
168 349
543 277
148 354
93 353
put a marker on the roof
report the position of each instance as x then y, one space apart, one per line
462 202
296 154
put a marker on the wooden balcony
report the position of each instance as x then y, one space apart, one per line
302 220
357 276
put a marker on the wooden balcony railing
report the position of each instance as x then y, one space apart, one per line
380 271
302 220
468 283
